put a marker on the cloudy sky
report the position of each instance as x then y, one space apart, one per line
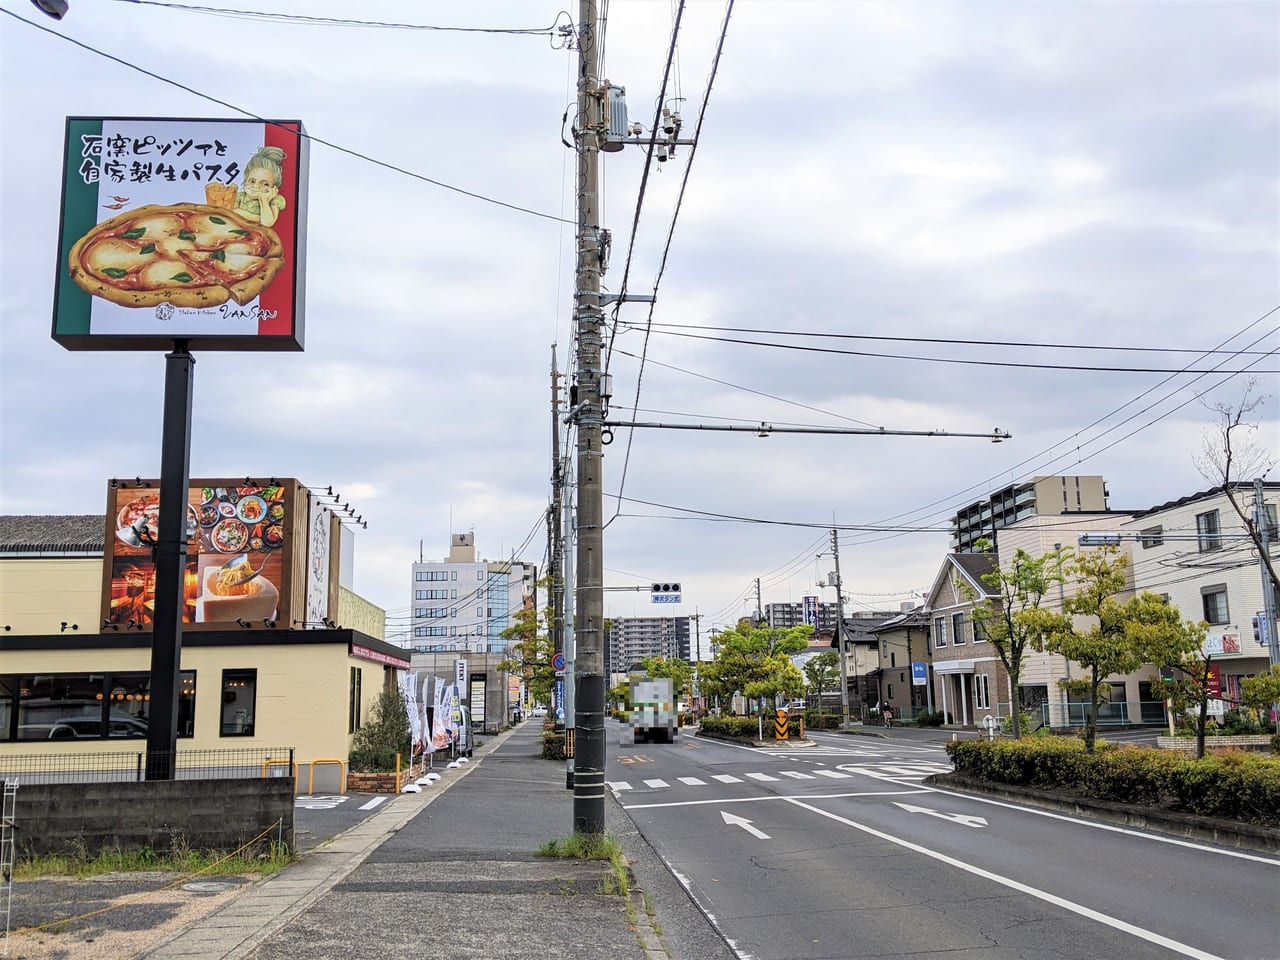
1081 174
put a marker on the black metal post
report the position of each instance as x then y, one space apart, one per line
171 563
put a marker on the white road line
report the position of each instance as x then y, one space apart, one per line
1098 825
374 803
726 778
692 781
761 776
1114 922
768 797
796 774
833 774
617 786
656 784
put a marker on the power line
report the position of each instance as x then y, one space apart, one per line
314 139
951 360
941 340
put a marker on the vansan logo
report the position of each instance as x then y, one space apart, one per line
164 311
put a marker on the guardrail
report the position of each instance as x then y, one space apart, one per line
246 763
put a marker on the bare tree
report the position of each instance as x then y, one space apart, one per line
1231 455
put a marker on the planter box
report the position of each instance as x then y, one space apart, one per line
377 782
1252 741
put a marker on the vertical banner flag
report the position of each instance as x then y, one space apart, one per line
811 611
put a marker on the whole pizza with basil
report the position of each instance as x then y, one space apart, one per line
186 254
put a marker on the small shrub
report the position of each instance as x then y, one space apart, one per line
375 745
1240 723
745 727
932 718
553 745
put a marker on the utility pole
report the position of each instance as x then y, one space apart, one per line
588 413
554 519
844 663
1268 588
759 608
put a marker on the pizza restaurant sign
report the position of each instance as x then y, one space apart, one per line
181 230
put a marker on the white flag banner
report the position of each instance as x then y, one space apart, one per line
413 706
441 736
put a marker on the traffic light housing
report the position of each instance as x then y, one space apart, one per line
665 593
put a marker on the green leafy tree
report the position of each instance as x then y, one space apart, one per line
679 672
531 652
1015 620
821 672
1176 646
755 661
1261 692
375 745
1112 643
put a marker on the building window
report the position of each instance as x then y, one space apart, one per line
981 692
1152 537
1215 603
433 575
940 631
353 707
889 695
957 628
1273 532
1209 531
893 658
453 595
239 702
87 706
454 574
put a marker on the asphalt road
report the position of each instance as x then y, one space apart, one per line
840 851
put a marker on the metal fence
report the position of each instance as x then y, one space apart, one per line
1119 713
104 767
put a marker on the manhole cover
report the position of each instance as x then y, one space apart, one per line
209 886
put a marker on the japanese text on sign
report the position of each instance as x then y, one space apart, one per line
122 159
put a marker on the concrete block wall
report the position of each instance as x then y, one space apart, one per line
222 815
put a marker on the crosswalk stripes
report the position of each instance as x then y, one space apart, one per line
761 776
796 774
656 784
898 772
692 781
833 774
617 786
726 778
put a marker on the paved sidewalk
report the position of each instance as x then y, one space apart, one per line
441 874
446 874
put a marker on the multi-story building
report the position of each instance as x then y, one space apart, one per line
463 602
781 616
1039 495
632 639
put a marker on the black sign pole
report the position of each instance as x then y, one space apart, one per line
171 562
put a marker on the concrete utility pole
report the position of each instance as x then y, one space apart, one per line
759 608
588 413
844 663
1268 589
554 519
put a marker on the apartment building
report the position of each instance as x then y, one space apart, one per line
631 639
822 616
464 603
1040 495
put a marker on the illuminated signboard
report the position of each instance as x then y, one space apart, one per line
181 229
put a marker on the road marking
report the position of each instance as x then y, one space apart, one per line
806 796
968 819
796 774
617 786
318 802
744 823
1114 922
726 778
761 776
374 803
656 784
692 781
1098 825
833 774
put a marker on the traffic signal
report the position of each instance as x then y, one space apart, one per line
665 593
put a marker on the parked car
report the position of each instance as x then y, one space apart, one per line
538 711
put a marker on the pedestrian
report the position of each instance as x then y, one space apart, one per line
888 716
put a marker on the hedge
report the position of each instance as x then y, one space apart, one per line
1236 785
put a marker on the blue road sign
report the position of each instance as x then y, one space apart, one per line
919 674
557 662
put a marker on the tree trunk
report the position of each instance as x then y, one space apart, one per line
1091 721
1201 721
1016 705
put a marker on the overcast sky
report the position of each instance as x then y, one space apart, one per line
1068 173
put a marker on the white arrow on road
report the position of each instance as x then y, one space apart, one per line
745 824
967 819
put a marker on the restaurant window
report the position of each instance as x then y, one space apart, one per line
86 706
353 708
239 701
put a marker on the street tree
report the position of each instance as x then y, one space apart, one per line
1262 693
1105 647
822 672
679 672
1014 620
1230 454
1176 647
754 661
531 651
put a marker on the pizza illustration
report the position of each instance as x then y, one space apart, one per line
186 254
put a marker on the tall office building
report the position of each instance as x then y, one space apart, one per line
464 603
781 616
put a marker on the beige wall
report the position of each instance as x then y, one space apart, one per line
37 595
357 613
302 696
